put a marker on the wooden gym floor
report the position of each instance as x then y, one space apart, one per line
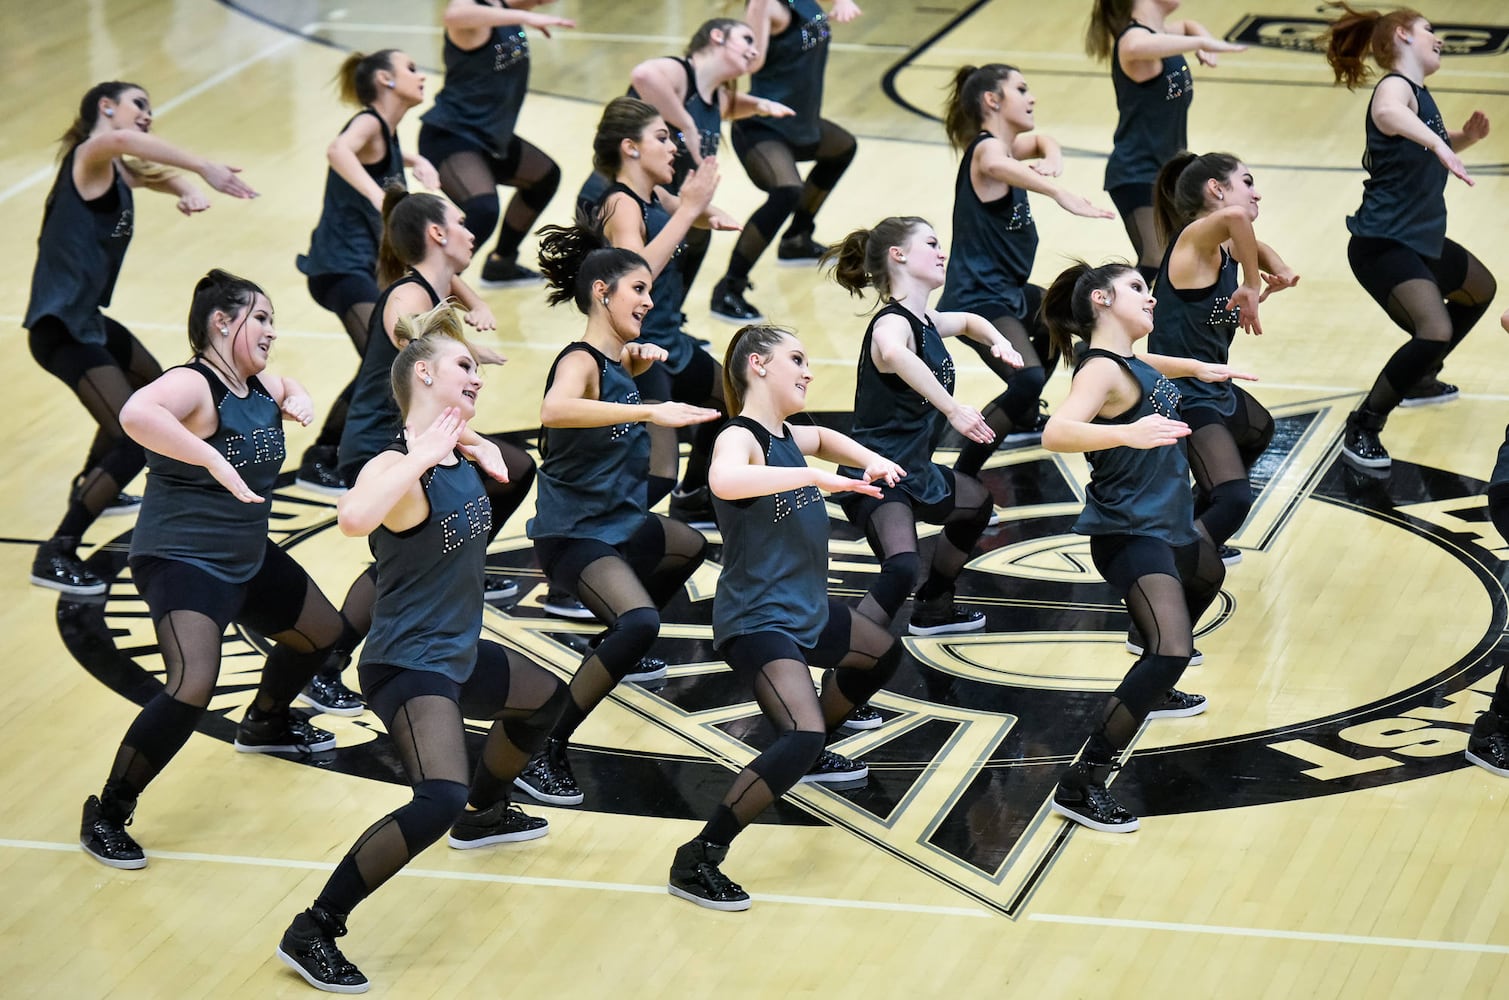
1316 833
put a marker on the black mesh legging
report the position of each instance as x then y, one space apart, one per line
624 587
1166 589
1222 450
1134 203
890 526
470 178
1434 300
700 383
1016 409
103 377
191 610
423 714
860 656
771 165
352 297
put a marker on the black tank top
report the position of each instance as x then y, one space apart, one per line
662 324
994 246
1404 196
484 89
706 116
1151 118
346 238
1195 323
795 62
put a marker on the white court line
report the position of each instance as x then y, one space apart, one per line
548 883
43 173
1261 932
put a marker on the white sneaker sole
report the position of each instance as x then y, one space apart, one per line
502 838
731 906
63 588
549 800
289 961
1086 821
129 865
347 713
1366 463
974 626
1471 757
1194 661
835 777
1179 713
322 490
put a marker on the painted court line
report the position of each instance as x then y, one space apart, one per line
1262 932
547 883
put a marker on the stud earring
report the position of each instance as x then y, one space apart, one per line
442 241
901 258
426 380
605 302
759 371
392 84
109 112
225 331
633 154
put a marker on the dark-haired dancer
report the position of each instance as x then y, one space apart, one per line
989 117
905 384
633 145
86 229
200 555
1432 288
469 133
772 616
1122 412
423 668
425 247
1206 206
592 533
365 160
1154 90
1488 746
694 94
793 37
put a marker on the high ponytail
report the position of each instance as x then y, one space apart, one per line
861 259
756 338
406 221
1179 192
218 291
572 258
961 111
1068 309
356 80
1108 19
1357 34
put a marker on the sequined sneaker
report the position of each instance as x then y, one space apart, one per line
1428 392
499 273
105 839
281 732
1178 705
941 616
696 877
1230 554
318 471
563 605
500 823
497 587
57 566
548 778
1360 445
1027 435
729 304
864 717
124 503
329 694
694 508
799 249
648 670
308 948
1489 752
1087 801
835 769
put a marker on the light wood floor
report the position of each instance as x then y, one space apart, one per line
1383 623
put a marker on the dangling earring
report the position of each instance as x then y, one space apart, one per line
426 380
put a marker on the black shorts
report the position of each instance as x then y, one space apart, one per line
340 292
270 602
859 508
437 145
1128 198
481 696
564 559
749 652
1124 559
1381 266
695 384
60 355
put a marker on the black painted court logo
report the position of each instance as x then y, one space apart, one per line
979 727
1308 34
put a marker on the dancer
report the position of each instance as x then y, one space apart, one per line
1432 288
200 555
341 265
469 133
793 36
906 381
1122 413
1154 90
772 616
694 94
86 228
425 247
633 146
1206 206
1488 745
423 668
989 116
593 535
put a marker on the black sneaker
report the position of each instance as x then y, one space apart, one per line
1360 445
499 273
563 605
1230 554
1489 752
281 732
57 566
941 616
106 840
500 823
1178 705
548 778
318 472
694 508
327 693
799 248
695 877
1028 435
648 670
1430 391
729 303
864 717
124 503
1135 647
497 587
308 948
1088 802
834 769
